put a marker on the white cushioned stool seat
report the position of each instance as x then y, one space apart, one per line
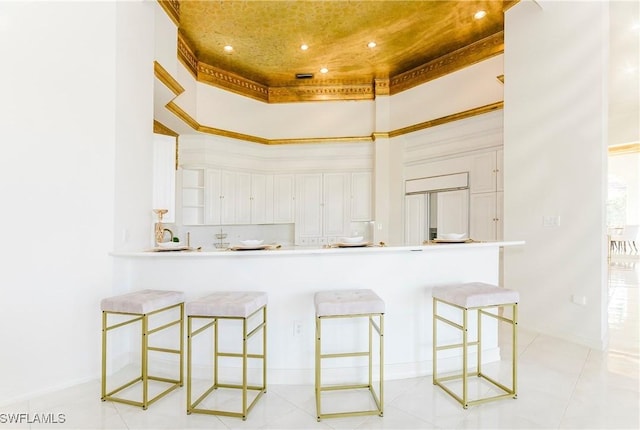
475 294
142 302
228 304
348 302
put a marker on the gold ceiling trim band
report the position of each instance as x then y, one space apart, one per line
625 148
182 115
166 78
233 134
171 8
232 82
160 128
449 118
186 56
306 93
464 57
308 140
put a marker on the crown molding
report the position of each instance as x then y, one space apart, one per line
171 8
449 118
166 78
160 128
186 56
232 82
625 148
464 57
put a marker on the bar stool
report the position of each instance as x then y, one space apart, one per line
140 305
358 303
479 297
213 309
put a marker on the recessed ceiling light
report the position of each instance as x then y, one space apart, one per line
480 14
304 46
324 70
371 44
228 48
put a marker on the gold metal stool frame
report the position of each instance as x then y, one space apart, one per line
215 322
144 377
379 401
481 310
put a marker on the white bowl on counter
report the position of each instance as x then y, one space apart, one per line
354 239
169 245
452 236
251 242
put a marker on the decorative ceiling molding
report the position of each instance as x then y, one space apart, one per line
232 82
159 128
333 92
625 148
449 118
166 78
187 57
464 57
172 8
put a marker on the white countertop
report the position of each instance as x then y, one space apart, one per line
300 250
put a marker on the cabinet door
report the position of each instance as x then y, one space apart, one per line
213 197
483 216
453 212
227 198
242 198
361 196
336 196
308 205
283 199
499 172
258 199
483 173
414 219
499 213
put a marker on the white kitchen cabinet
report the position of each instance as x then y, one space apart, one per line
164 175
361 196
309 207
322 207
415 228
283 199
486 220
486 172
260 210
192 197
242 198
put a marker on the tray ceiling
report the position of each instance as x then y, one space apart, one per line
415 41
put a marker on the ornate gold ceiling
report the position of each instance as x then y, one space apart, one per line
416 41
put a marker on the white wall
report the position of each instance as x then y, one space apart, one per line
555 139
63 191
626 167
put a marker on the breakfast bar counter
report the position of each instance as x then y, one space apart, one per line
403 276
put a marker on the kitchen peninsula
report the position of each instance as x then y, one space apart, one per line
402 275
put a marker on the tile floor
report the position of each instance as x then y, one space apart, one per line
578 388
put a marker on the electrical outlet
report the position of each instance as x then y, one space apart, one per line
297 328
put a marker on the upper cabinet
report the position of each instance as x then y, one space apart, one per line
223 197
283 199
486 172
